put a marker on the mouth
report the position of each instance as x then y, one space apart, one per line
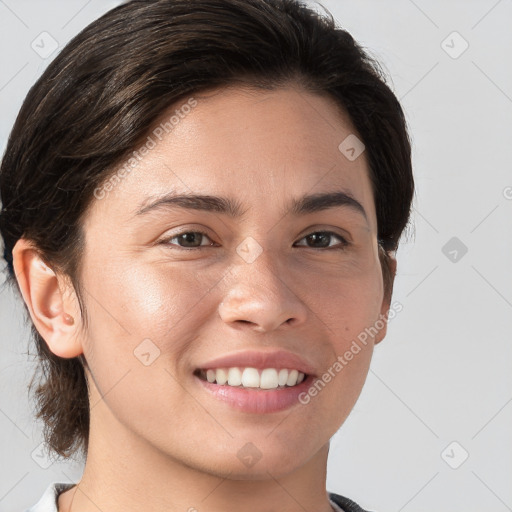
253 390
255 381
261 379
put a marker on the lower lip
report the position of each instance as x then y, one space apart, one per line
255 400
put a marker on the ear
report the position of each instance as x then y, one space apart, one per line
388 262
54 316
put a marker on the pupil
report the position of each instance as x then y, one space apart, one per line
320 236
189 237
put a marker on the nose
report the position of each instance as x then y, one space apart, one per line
262 295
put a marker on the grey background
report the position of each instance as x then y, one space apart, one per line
442 375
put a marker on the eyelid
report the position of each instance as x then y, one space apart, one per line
344 241
342 233
166 239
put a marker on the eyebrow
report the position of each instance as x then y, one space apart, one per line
233 208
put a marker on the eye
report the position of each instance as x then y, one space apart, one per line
189 239
193 239
321 240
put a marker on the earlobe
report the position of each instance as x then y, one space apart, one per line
389 264
43 295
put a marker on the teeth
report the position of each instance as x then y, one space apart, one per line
250 378
292 378
234 377
221 376
268 378
282 377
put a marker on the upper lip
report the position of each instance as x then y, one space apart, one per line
258 359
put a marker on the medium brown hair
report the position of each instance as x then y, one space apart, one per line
101 95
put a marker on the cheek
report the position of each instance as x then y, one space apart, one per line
133 301
347 298
142 322
350 372
349 306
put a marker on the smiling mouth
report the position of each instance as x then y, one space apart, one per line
252 378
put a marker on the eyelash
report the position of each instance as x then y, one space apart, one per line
342 246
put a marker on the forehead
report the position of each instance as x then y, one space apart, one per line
262 147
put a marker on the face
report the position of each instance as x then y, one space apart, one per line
170 289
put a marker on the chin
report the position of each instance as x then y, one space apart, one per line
262 461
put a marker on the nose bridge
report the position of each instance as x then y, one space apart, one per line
258 292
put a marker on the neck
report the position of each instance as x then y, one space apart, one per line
123 473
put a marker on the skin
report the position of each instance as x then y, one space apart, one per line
158 441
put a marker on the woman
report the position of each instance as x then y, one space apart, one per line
201 207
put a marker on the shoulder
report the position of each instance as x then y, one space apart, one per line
48 501
346 504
